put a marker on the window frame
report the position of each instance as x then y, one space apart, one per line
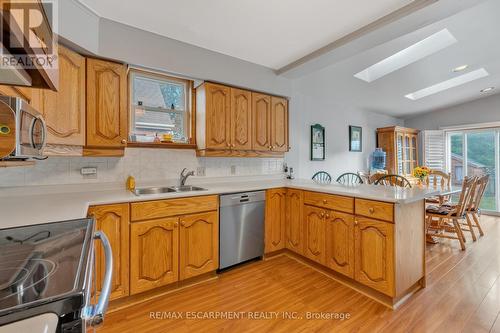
190 109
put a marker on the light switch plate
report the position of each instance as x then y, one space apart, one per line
87 171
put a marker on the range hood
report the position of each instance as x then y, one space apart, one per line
43 75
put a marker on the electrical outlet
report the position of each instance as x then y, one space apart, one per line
233 169
200 171
89 172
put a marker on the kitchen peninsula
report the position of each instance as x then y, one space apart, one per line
370 238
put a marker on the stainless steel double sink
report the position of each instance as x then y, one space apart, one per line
172 189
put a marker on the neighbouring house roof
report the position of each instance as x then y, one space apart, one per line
469 161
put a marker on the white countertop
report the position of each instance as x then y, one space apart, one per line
27 206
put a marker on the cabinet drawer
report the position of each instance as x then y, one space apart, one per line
163 208
330 201
375 209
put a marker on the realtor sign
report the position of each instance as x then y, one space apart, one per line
27 34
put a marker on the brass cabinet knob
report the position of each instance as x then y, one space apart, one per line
124 141
327 216
356 222
176 224
234 145
371 210
322 214
325 201
228 144
183 223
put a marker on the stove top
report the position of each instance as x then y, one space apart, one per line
43 263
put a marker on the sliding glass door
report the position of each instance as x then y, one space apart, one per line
474 153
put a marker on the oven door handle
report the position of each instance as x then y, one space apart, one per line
96 315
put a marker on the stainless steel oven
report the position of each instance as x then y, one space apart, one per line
22 130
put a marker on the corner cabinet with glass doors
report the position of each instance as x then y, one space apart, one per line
401 145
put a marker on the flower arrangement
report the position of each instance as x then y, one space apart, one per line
421 172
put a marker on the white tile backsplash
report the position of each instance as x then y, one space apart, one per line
143 164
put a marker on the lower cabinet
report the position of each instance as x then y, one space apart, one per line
199 244
275 220
294 234
374 261
113 220
314 233
340 243
167 250
154 254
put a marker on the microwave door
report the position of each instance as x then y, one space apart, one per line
31 135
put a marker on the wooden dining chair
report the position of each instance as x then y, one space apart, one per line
446 214
376 176
365 176
393 180
473 209
438 178
322 177
349 178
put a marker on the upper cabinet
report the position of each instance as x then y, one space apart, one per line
237 122
401 146
241 119
218 107
106 104
279 124
261 122
64 111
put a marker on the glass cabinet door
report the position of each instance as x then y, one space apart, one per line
399 144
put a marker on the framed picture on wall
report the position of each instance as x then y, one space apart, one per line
317 143
355 138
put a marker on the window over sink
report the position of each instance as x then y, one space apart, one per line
160 109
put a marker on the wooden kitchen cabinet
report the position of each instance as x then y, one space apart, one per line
199 244
241 119
374 254
314 233
294 227
20 92
107 110
113 220
218 108
154 254
261 119
64 110
279 124
275 220
340 242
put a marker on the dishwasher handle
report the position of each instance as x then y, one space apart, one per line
242 198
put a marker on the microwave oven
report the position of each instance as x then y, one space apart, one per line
22 130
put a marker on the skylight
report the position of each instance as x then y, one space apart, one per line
411 54
448 84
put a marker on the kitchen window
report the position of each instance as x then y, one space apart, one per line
160 109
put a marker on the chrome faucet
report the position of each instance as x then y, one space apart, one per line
184 176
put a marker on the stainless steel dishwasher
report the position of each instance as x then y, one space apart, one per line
241 227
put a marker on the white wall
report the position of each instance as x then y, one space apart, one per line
309 108
483 110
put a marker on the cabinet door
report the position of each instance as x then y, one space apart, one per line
218 108
275 220
113 220
340 243
64 110
261 119
198 244
241 119
399 154
154 254
314 233
21 92
106 104
279 124
374 254
294 225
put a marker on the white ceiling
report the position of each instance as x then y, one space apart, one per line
477 31
272 33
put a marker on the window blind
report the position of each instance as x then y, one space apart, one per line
434 149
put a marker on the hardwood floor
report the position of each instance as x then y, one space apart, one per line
462 295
